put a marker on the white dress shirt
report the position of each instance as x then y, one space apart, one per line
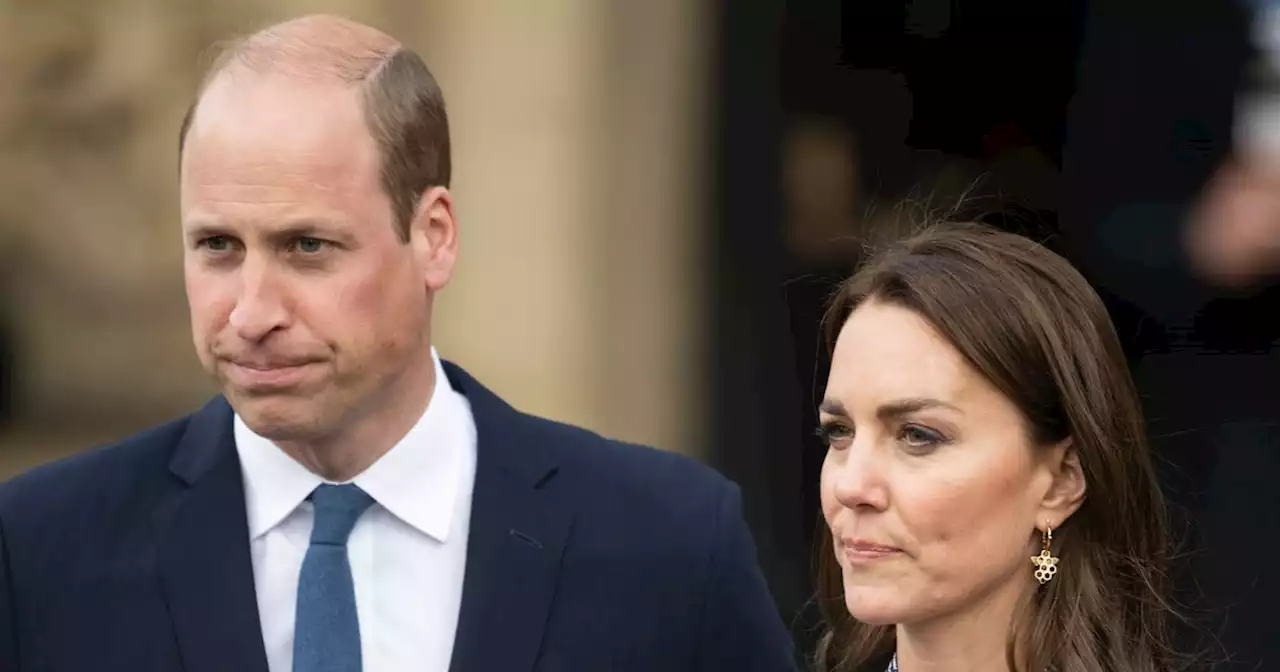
408 551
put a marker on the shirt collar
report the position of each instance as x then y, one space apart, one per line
417 480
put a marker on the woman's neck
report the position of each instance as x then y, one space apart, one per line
972 640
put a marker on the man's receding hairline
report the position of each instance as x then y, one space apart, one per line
316 47
297 49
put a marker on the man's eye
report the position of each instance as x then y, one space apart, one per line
307 245
216 243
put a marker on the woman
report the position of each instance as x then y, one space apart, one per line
987 486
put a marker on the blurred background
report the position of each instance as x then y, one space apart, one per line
656 199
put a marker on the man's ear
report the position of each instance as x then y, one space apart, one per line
1067 486
433 233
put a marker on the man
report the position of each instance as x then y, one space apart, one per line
352 502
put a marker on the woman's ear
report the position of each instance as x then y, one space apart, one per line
1067 486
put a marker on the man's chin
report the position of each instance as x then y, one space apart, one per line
279 419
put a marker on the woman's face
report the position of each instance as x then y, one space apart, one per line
931 488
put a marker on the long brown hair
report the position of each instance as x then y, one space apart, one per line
1028 322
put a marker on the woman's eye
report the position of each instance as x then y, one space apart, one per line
833 432
916 436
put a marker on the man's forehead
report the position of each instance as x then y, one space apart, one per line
257 140
259 118
237 90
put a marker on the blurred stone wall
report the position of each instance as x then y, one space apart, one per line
577 130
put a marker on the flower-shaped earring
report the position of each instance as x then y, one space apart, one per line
1046 564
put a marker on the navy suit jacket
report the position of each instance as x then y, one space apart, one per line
584 554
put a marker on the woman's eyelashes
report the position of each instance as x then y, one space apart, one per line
916 438
831 432
920 439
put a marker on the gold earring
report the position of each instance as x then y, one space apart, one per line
1046 564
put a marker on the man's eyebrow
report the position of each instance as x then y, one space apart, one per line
302 228
205 229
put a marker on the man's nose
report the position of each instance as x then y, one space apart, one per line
260 307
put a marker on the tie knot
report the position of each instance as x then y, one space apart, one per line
338 507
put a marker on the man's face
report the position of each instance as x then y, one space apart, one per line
305 303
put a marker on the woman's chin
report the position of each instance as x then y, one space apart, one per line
873 609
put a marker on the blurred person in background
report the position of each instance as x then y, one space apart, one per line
1233 239
1172 210
989 496
352 501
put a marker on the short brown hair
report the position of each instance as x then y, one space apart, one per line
1031 324
402 101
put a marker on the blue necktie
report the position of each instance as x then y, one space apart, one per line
326 634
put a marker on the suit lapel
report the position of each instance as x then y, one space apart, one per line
517 536
204 559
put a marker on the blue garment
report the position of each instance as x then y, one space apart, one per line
326 634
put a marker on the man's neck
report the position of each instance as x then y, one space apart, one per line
372 431
973 640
